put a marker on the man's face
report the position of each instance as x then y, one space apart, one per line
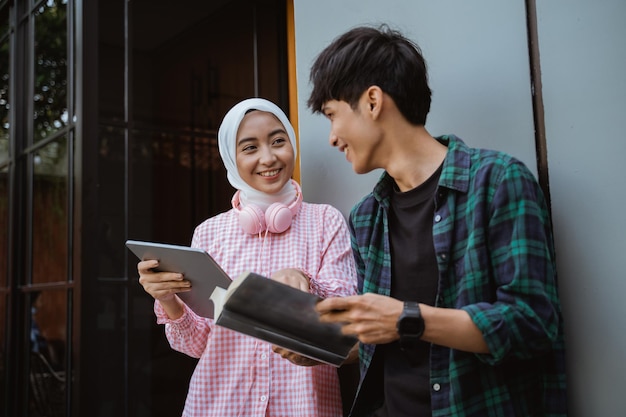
353 133
265 157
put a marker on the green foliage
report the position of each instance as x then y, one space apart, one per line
50 92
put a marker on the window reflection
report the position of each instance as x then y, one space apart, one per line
3 336
111 58
4 98
4 20
48 325
4 230
50 213
50 65
47 354
111 232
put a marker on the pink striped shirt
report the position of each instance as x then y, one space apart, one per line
238 375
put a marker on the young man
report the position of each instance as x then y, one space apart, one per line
459 312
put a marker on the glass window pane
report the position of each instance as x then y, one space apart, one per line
160 166
50 95
4 226
4 99
50 213
48 337
3 343
112 167
4 20
111 59
110 335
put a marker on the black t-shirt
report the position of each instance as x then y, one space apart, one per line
414 278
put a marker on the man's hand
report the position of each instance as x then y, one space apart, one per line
371 317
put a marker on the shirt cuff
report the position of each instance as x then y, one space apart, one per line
184 321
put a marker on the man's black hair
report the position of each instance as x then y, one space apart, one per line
367 56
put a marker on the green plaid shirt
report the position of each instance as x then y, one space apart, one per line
494 249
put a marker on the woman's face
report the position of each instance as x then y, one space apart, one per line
265 158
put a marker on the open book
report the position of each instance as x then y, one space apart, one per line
282 315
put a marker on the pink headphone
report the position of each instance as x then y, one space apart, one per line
276 219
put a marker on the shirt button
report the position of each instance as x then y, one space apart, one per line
436 387
263 398
263 356
437 218
443 256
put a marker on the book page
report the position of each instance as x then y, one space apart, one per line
218 296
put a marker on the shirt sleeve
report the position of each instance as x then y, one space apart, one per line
336 275
523 319
188 334
359 262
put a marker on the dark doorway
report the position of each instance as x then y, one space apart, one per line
167 73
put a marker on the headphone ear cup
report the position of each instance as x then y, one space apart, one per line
278 218
251 219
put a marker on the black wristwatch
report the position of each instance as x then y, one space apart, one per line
410 325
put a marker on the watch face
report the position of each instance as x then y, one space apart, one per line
411 325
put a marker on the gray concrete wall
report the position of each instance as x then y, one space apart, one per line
478 60
583 59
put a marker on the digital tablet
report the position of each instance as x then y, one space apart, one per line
195 264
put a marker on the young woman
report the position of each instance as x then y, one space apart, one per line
271 231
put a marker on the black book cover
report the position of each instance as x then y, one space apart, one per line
281 315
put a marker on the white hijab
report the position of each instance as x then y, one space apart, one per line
227 143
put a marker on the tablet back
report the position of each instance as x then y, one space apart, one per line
195 264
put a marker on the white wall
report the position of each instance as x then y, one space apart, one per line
583 60
478 60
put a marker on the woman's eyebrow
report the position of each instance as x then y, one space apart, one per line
245 140
277 131
269 135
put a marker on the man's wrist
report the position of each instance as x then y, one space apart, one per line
410 325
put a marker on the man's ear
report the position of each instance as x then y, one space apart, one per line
374 99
